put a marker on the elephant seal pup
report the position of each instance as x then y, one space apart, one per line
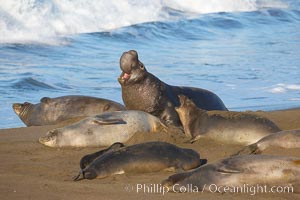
104 129
51 111
225 126
283 139
234 173
141 158
141 90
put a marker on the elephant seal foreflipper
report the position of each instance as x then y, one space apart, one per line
283 139
141 158
240 171
104 129
52 111
224 126
141 90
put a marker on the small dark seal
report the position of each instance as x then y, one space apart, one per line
138 158
142 90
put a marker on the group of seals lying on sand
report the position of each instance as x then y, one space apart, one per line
104 129
224 126
52 111
151 103
142 90
138 158
237 171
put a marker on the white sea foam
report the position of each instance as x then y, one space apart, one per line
283 88
44 21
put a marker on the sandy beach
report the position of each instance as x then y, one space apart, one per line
30 170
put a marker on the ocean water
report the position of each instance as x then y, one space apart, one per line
246 51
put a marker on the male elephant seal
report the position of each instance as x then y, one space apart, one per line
103 130
141 90
283 139
235 173
224 126
141 158
52 111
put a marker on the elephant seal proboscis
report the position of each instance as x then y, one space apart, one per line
142 90
283 139
238 172
141 158
224 126
104 129
51 111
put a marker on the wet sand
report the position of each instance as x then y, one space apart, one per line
30 170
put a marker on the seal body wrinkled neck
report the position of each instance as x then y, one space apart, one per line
23 110
145 95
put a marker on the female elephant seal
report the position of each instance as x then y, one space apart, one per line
283 139
234 173
141 158
141 90
224 126
52 111
103 130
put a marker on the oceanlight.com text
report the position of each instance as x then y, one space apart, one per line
212 188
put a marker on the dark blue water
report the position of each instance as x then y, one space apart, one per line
248 52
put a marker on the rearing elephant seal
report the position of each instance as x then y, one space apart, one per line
52 111
141 158
142 90
224 126
236 173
